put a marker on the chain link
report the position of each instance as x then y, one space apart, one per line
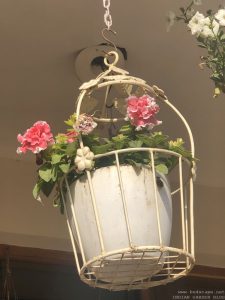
107 15
106 4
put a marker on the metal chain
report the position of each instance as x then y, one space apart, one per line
107 15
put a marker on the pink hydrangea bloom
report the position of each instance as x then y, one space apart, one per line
36 138
141 112
85 124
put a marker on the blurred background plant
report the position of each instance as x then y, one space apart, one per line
208 30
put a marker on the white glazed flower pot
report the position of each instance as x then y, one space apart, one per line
139 193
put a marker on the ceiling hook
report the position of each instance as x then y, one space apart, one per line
107 39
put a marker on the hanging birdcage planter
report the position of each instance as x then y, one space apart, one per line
127 191
120 216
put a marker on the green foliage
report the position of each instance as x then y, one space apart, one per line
178 146
214 46
135 139
102 148
58 159
135 144
71 121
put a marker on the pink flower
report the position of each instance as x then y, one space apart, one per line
36 138
141 112
85 124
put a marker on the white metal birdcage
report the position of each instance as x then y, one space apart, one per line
120 219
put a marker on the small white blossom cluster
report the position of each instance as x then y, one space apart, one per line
84 159
209 31
207 27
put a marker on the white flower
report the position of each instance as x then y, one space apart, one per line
196 23
84 159
220 16
210 28
202 26
197 2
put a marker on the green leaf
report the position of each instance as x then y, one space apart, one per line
177 146
156 139
102 148
161 168
135 144
202 46
47 188
91 140
71 121
120 141
56 158
133 163
119 138
216 78
159 138
146 161
55 171
45 174
222 38
137 157
145 139
64 167
37 189
71 149
126 129
214 59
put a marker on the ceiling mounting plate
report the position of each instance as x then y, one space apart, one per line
90 61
